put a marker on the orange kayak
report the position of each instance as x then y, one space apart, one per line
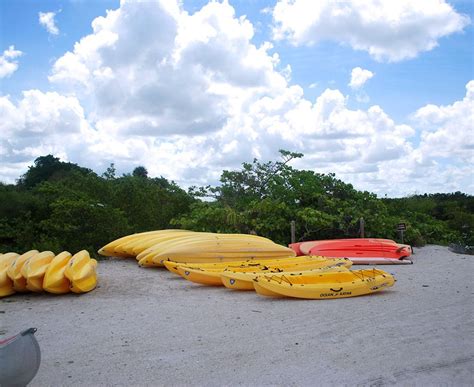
359 250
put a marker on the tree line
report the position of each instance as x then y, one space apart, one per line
59 206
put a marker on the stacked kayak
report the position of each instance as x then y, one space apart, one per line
362 251
36 271
155 247
306 277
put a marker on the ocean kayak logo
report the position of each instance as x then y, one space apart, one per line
232 281
335 293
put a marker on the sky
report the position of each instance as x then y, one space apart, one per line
376 91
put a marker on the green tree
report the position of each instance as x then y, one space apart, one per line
140 172
47 168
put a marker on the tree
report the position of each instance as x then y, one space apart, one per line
47 168
140 172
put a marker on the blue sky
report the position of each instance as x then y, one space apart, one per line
415 97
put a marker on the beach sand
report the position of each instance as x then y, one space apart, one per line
150 327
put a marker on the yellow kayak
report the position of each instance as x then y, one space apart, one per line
14 271
35 268
213 277
245 280
221 266
325 285
54 279
6 284
109 248
205 247
81 272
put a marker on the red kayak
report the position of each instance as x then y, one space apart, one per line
359 250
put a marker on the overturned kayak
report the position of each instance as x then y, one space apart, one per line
81 272
14 271
54 279
20 358
324 285
6 284
34 270
362 251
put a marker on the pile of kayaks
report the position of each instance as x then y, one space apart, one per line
361 251
155 247
44 271
249 262
308 277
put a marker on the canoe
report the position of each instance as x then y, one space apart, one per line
245 280
325 285
20 358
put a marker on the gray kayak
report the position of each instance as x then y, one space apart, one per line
20 358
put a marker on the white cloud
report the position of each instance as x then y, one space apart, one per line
38 124
387 30
448 131
46 19
359 76
8 62
194 96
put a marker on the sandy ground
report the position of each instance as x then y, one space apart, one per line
149 327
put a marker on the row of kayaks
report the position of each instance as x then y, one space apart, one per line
36 271
362 251
154 247
302 277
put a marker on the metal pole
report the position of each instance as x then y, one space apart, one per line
362 227
293 231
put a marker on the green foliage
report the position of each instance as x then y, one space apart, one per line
266 197
78 210
62 206
48 168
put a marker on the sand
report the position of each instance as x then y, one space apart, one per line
150 327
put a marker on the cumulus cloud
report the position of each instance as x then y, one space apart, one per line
448 131
38 124
387 30
9 62
359 76
193 96
46 19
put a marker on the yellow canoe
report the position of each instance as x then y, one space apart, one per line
325 285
